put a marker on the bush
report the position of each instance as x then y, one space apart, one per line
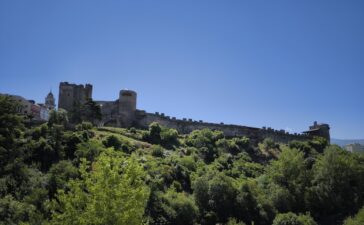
132 130
303 146
169 137
84 126
292 219
356 220
269 148
182 209
37 133
233 221
112 141
59 175
161 135
16 212
216 195
206 142
157 151
89 150
290 172
155 133
233 146
337 184
59 117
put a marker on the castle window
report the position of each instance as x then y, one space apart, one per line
127 94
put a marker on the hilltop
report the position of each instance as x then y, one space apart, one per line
63 173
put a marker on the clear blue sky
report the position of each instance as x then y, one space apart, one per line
281 64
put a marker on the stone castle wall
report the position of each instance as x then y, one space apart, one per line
185 126
123 113
70 94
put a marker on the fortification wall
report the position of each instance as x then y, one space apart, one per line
186 126
69 94
123 113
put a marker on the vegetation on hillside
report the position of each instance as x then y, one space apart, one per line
60 174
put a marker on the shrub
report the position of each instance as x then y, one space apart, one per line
169 137
157 151
182 209
84 126
233 221
292 219
112 141
358 219
155 133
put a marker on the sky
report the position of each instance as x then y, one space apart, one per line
279 64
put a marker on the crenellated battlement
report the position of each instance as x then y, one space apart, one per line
186 125
123 112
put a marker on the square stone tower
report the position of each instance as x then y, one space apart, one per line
72 94
321 130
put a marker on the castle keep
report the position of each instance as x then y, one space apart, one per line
123 112
72 94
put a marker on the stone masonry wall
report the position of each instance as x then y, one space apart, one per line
186 126
69 94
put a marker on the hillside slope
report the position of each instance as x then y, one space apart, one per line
59 173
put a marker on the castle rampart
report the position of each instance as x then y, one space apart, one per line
185 126
123 112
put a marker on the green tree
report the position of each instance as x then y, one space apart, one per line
201 194
90 111
290 172
13 212
337 184
155 133
183 210
206 142
86 111
233 221
234 145
111 191
319 144
11 127
157 151
59 175
112 141
358 219
169 137
293 219
216 196
89 150
59 117
252 205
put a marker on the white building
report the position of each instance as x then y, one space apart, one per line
30 108
354 147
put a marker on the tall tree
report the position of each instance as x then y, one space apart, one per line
111 191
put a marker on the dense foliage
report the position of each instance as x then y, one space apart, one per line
57 173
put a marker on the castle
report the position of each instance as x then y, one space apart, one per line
123 112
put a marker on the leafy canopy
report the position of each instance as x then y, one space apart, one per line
110 191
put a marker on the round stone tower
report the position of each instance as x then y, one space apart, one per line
127 107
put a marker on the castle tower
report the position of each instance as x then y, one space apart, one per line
50 101
73 94
127 107
321 130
